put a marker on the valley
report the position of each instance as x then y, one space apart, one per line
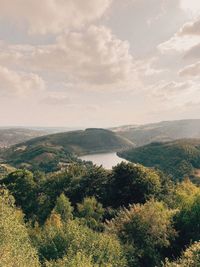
101 197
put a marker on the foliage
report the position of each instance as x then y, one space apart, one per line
66 240
190 257
186 222
77 260
91 213
15 247
49 153
177 158
132 183
94 182
23 187
87 216
184 194
145 230
63 208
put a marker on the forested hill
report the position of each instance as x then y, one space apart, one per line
86 216
51 150
160 132
178 158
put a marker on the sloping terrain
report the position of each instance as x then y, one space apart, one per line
160 132
177 158
51 150
12 136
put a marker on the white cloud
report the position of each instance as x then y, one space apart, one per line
179 44
94 57
191 70
191 28
168 90
19 83
52 16
193 52
184 39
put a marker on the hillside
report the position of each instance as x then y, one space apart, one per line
178 158
47 152
160 132
12 136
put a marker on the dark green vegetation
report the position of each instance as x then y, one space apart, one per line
12 136
86 216
177 158
52 152
63 212
160 132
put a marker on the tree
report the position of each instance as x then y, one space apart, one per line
132 183
145 231
184 194
68 243
15 246
23 187
189 258
77 260
91 212
94 183
64 208
187 224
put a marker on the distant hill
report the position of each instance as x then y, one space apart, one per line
177 158
12 136
47 152
162 131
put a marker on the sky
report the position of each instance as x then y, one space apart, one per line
101 63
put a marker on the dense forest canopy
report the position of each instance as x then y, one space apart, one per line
59 211
179 158
129 216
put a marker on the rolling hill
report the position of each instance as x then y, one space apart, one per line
160 132
47 152
12 136
177 158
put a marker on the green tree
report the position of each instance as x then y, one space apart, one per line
132 183
94 183
91 212
77 260
15 246
145 231
187 224
66 243
184 194
189 258
64 208
23 187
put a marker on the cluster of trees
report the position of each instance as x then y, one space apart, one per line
177 158
86 216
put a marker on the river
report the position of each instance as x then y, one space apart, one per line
107 160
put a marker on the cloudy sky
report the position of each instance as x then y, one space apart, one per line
98 63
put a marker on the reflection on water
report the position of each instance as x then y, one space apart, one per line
107 160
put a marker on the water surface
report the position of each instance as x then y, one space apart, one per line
107 160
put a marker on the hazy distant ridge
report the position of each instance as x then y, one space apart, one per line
162 131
